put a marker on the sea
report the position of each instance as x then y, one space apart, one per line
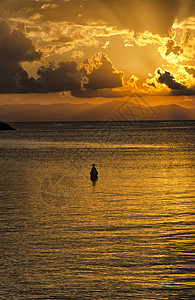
128 235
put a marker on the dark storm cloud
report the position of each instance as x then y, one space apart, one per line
177 89
169 80
65 77
14 49
105 76
140 15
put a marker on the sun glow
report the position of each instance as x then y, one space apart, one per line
96 49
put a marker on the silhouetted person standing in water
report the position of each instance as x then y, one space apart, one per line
94 173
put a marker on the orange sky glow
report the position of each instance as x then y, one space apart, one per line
95 52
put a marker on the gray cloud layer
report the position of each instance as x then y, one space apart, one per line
177 88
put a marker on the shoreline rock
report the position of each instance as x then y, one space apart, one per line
4 126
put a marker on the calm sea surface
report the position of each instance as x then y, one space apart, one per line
130 235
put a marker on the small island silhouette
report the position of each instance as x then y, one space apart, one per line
4 126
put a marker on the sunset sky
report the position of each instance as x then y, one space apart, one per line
97 51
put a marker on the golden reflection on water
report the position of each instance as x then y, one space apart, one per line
131 227
128 236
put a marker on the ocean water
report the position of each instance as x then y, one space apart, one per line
130 235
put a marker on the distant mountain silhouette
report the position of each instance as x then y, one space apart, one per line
173 112
115 110
4 126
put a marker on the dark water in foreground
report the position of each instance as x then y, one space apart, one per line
129 236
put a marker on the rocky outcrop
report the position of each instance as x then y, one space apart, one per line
4 126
